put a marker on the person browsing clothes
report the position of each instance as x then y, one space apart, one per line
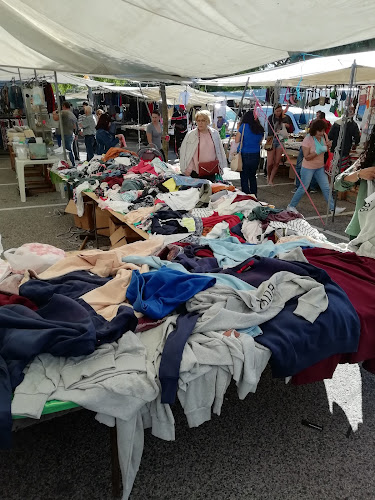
69 125
362 174
252 132
88 130
104 138
314 145
202 153
154 132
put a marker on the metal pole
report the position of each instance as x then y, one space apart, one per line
40 111
25 110
238 112
139 132
164 110
338 153
144 99
60 117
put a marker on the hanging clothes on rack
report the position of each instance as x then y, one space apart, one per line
49 97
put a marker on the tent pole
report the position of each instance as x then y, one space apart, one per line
338 153
60 117
164 111
40 111
238 112
144 99
139 132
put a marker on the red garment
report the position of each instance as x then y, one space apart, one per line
242 197
328 125
111 181
232 220
204 253
7 299
142 168
356 276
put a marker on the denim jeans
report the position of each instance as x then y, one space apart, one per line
89 143
250 163
68 145
307 174
313 184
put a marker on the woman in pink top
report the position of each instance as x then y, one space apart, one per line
202 146
314 146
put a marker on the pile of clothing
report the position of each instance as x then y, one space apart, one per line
127 331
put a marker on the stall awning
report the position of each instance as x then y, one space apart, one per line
172 39
176 94
332 70
8 73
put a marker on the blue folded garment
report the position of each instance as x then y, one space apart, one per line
158 293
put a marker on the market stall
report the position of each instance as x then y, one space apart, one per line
125 303
220 284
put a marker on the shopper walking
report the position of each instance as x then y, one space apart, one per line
251 132
88 130
69 125
314 145
276 129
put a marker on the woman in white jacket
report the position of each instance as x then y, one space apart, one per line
202 149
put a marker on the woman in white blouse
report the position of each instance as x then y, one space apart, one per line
202 153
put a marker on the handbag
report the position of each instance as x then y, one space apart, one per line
236 163
269 143
207 168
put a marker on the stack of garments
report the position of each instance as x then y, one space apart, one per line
126 332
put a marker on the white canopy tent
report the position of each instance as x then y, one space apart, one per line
194 38
319 71
8 73
176 94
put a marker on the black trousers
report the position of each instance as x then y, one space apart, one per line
178 137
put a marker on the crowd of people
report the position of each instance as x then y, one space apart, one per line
96 129
202 155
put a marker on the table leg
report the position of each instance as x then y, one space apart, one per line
116 473
20 169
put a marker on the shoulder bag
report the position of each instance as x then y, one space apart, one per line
236 163
207 168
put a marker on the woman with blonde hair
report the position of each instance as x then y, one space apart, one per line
202 153
98 114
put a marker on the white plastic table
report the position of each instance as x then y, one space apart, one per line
20 171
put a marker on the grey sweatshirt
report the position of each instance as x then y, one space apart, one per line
88 125
225 308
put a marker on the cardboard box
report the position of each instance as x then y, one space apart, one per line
123 235
118 238
114 224
102 221
86 221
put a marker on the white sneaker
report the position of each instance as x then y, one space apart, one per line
338 210
289 208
